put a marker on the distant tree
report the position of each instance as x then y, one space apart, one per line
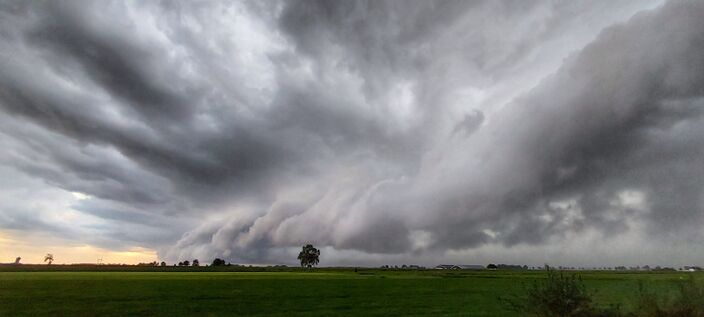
180 263
218 262
163 263
196 262
49 258
186 263
309 256
492 266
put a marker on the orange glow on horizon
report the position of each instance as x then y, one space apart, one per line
33 249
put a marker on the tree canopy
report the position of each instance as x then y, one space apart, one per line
218 262
309 256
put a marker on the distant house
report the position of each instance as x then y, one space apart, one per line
692 268
447 267
472 267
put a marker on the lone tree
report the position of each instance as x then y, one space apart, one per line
49 258
195 262
309 256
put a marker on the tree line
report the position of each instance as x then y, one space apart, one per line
308 257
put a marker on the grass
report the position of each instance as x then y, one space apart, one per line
325 292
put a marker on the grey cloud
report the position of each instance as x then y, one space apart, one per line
380 127
123 66
470 123
581 135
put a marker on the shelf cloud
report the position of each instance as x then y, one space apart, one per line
378 130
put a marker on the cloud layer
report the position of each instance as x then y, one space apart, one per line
380 130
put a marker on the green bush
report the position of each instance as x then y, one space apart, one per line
687 302
561 295
558 295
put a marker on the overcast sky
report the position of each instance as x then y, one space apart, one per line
383 132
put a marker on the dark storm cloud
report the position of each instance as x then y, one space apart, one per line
155 127
389 127
614 116
138 131
514 210
119 65
637 99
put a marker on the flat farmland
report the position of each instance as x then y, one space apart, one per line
324 292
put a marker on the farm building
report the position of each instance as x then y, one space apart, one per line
459 267
447 267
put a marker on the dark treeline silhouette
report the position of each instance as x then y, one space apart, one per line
148 264
403 267
218 262
502 266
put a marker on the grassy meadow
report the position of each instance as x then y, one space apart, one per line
322 292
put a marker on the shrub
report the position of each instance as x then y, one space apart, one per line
558 295
687 302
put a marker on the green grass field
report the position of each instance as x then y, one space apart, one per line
294 293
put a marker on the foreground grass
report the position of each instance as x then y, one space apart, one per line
324 293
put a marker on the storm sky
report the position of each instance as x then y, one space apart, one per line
383 132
